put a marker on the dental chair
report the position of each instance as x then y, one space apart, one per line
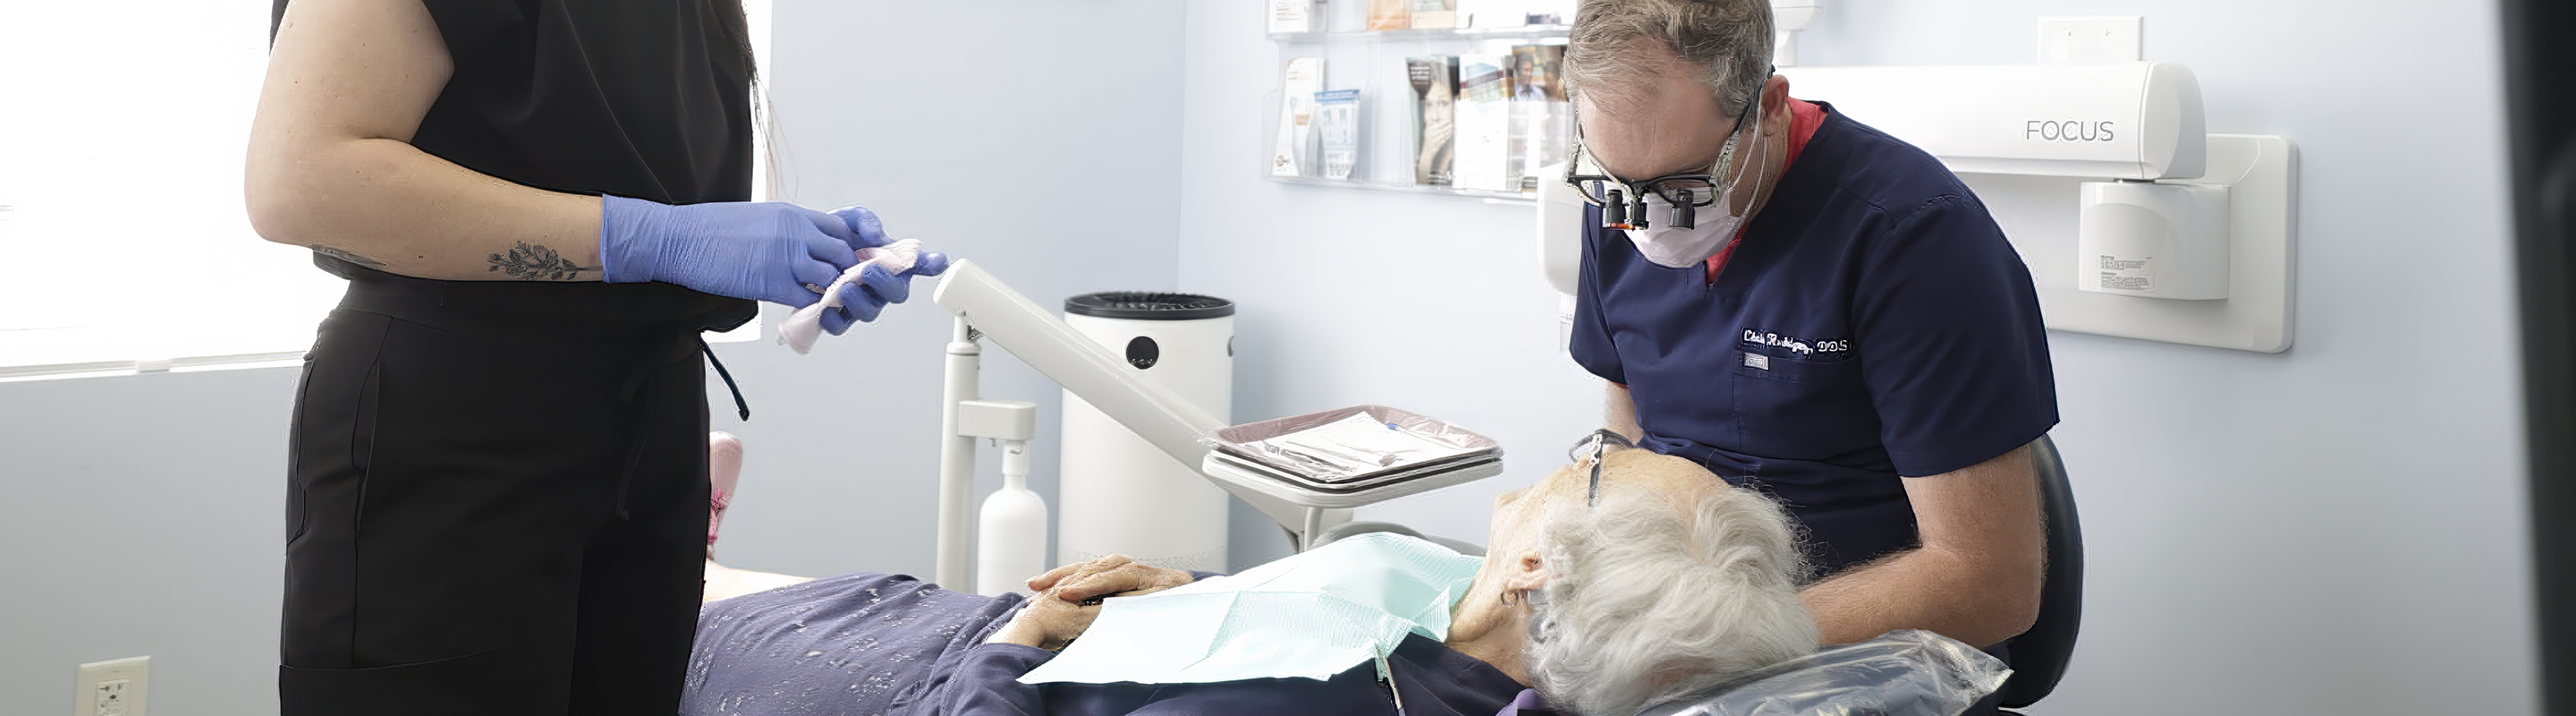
1361 527
2040 655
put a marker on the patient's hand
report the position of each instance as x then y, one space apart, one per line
1112 576
1069 597
1048 623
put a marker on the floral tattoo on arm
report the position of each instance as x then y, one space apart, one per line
537 263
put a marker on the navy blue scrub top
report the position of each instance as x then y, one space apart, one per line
1871 323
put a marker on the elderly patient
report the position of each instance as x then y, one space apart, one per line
1668 584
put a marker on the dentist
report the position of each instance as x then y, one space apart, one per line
1812 309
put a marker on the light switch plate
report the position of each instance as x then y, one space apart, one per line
2091 39
117 687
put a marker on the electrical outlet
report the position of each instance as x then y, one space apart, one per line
2090 39
108 699
117 687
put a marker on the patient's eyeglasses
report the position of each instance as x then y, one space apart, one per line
1593 446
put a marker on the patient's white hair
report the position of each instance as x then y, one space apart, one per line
1650 599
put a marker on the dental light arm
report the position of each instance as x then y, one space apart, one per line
1043 341
1171 424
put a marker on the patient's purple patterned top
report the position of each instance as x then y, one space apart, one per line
868 643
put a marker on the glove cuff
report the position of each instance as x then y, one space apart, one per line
630 238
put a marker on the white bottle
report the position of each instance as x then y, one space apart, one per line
1010 544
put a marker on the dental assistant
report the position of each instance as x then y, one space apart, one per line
498 478
1834 320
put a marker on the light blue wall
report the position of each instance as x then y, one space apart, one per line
1032 136
2338 529
145 515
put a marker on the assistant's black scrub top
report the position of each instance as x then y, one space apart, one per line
1872 323
649 100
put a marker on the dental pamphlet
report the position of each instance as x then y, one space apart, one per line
1337 128
1435 93
1538 73
1294 16
1542 122
1390 14
1484 133
1559 12
1293 155
1508 13
1433 14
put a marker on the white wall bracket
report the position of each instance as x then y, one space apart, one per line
2038 214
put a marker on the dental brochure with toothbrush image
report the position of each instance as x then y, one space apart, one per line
1293 154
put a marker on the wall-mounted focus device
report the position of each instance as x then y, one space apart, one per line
2135 221
2137 120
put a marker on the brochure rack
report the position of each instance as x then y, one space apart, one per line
1385 119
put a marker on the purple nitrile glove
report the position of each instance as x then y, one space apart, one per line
867 297
866 231
861 227
760 251
863 299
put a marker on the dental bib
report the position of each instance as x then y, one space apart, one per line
1311 615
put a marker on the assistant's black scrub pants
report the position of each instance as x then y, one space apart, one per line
490 518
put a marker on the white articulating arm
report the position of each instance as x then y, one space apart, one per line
1162 418
1031 332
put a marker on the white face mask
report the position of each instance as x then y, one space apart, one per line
1717 225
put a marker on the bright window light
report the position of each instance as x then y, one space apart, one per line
123 236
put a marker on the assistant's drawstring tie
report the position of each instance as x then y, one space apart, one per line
740 406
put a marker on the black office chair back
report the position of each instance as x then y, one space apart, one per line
2039 656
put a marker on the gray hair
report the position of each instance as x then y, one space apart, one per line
1649 600
1728 41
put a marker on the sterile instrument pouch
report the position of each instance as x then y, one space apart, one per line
1311 615
1908 672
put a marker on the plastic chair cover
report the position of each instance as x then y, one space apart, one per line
1908 672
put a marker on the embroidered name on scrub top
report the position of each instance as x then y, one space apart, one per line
1754 341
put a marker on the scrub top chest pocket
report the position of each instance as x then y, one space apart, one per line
1800 397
